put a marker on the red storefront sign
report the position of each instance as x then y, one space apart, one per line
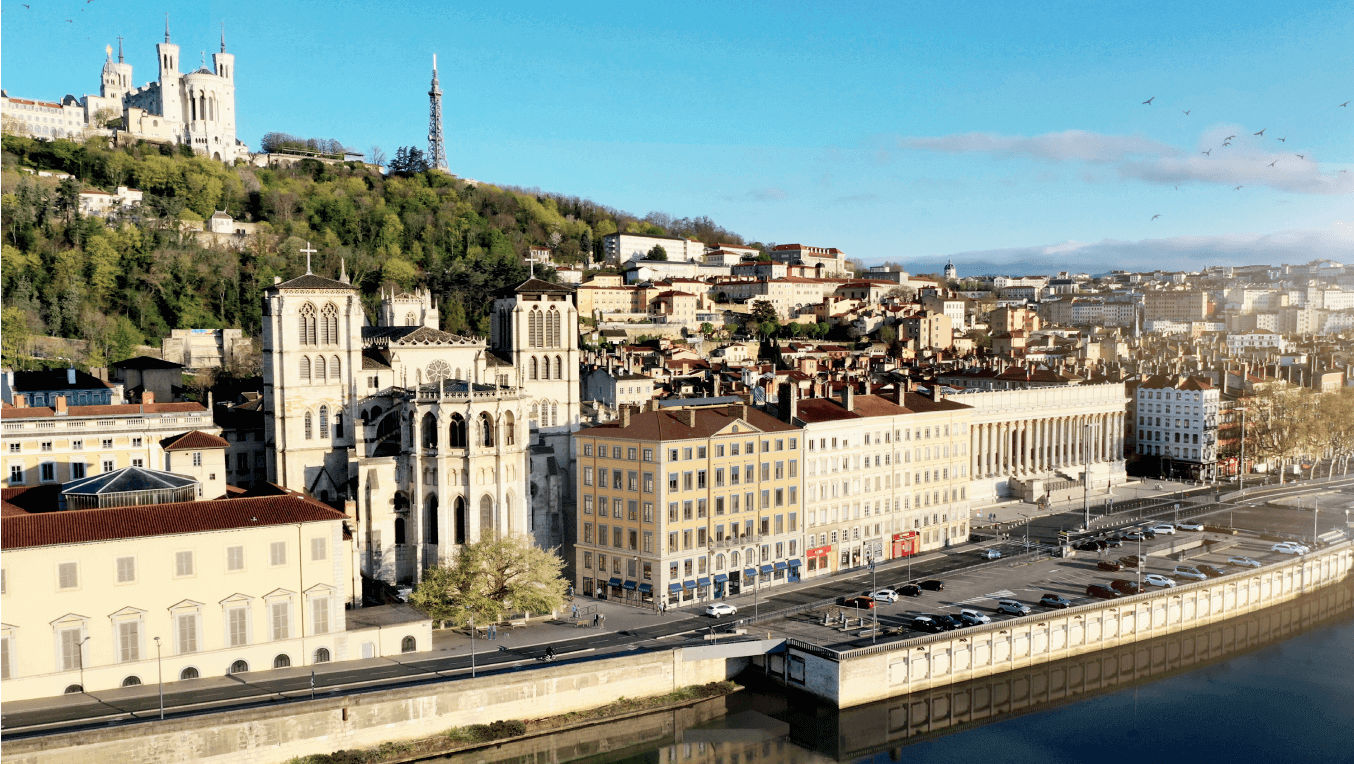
905 544
818 551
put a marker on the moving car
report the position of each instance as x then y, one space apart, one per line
1086 546
884 595
909 590
932 585
1189 526
1190 572
1210 571
1110 565
974 618
1013 607
1055 600
1124 586
1103 592
860 601
1243 561
1156 579
1164 528
990 554
718 609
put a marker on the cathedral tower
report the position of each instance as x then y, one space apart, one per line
171 105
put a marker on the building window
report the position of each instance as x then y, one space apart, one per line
185 632
106 443
136 442
322 655
46 445
237 627
408 645
319 608
234 558
108 465
277 553
197 458
126 569
47 472
68 575
129 641
282 661
281 620
183 564
318 550
16 474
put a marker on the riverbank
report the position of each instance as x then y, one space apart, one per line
461 740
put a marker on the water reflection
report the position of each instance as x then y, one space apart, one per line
764 724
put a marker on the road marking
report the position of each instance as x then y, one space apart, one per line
1003 594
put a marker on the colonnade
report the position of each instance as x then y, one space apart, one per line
1042 444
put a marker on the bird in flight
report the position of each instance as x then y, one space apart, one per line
1154 217
1186 112
1283 140
1237 188
1261 131
1207 153
1300 156
1225 144
1149 101
1343 105
1271 164
1228 138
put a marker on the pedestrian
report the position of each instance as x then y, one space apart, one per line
575 613
597 619
493 631
664 609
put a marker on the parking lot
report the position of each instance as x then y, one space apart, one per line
980 587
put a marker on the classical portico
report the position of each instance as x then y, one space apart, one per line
1029 442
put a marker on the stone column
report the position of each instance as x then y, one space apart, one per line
989 452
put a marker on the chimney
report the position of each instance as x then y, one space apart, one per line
743 411
787 399
849 398
865 385
625 416
935 390
147 396
60 405
70 375
691 418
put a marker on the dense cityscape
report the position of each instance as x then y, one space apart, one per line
356 452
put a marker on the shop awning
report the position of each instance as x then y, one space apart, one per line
614 582
646 588
689 584
674 588
720 578
780 566
630 585
794 563
750 572
703 581
767 569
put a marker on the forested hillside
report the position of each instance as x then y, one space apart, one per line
129 280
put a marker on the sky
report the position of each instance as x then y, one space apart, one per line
1010 137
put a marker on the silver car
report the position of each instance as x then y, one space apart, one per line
1013 607
974 618
1190 572
1243 562
1155 579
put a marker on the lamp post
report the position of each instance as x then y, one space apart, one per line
81 656
472 647
874 587
160 677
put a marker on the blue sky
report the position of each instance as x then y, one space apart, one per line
1010 136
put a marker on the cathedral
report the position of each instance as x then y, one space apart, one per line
195 108
429 439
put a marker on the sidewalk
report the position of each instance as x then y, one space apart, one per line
619 617
1016 511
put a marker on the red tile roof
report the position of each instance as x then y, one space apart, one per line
194 440
119 409
672 423
22 530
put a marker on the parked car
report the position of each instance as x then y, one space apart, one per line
1055 601
1110 565
974 618
1114 542
1013 607
884 595
927 624
949 622
861 601
990 554
1147 533
1124 586
1103 592
1290 547
1131 561
1137 536
1243 561
932 585
1189 526
1210 571
909 590
1164 528
1190 572
719 609
1156 579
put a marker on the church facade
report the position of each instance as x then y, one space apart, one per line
195 108
429 439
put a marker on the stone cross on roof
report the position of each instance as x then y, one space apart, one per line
308 251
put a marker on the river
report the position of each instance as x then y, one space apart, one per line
1269 686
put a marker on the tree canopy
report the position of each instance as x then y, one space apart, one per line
492 579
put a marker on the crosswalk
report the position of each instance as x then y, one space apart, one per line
999 595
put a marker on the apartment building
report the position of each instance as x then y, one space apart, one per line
1178 424
686 504
885 477
1180 307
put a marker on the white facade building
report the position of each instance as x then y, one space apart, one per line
1178 423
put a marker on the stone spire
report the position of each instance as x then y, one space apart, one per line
166 27
223 37
120 49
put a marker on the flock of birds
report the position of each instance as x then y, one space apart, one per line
1226 142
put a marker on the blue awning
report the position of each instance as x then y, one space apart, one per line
780 566
614 582
750 572
795 563
767 569
720 578
646 588
704 581
629 584
689 584
674 588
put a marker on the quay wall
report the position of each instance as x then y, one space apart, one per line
360 720
854 677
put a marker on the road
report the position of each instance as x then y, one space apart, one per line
75 712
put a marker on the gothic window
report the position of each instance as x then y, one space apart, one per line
399 530
307 326
552 328
334 368
486 429
305 368
535 416
329 325
438 371
486 515
430 519
545 367
534 328
461 520
554 415
319 368
409 319
509 429
457 438
559 368
324 421
429 431
338 424
534 373
309 427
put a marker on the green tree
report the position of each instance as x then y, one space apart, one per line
762 311
15 332
707 328
491 579
657 253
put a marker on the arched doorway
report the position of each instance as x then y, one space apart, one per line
408 645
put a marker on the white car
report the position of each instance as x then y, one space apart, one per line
1242 561
1013 607
720 608
1163 528
884 595
974 618
1289 547
990 554
1189 526
1189 571
1155 579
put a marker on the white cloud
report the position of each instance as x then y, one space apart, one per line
1068 145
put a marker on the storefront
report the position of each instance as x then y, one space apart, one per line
818 560
793 575
905 544
721 585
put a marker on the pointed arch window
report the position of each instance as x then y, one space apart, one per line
509 429
535 374
310 426
534 418
329 325
305 368
307 324
457 431
545 367
324 421
338 424
552 328
486 429
534 328
409 319
334 368
319 369
559 367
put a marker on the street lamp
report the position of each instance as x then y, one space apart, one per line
81 656
874 587
160 677
472 646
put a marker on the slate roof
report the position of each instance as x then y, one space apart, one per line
412 335
115 409
537 286
672 424
55 379
311 281
146 362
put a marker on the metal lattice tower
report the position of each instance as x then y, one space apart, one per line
437 153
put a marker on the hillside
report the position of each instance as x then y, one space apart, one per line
129 281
